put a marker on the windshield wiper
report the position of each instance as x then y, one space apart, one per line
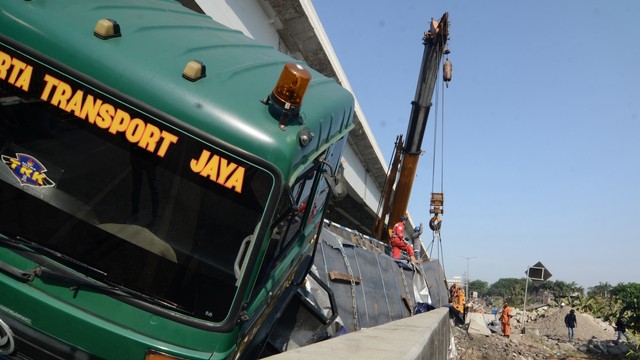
76 282
55 274
20 275
20 243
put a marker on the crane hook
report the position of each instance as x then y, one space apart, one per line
435 223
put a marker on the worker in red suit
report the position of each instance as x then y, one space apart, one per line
397 240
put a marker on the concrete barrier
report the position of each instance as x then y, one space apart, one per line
478 324
424 336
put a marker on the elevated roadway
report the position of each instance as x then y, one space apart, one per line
293 27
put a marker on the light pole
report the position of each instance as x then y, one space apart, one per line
466 291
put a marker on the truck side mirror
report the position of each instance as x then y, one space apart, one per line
337 184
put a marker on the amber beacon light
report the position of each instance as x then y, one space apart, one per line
286 98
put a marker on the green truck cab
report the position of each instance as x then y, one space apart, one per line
163 180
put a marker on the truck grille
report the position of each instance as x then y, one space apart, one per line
19 341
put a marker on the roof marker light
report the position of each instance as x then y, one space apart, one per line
194 70
107 29
286 98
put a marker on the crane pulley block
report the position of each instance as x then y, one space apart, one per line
437 200
447 71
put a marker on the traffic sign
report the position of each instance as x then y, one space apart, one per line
538 272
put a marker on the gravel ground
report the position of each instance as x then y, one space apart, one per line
545 338
551 324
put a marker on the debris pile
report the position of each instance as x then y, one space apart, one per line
542 336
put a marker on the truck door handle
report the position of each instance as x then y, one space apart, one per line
241 253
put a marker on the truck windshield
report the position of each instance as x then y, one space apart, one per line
166 219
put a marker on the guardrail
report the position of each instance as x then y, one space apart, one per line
422 336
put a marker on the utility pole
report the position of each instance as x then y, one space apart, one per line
466 290
524 307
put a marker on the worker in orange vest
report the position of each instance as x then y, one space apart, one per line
505 320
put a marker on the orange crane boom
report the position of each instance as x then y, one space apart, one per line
434 41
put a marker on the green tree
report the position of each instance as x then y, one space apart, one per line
629 296
509 289
599 306
564 289
602 290
480 286
583 303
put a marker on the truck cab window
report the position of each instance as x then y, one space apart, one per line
150 223
291 218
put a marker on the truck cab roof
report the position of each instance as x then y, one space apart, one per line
145 64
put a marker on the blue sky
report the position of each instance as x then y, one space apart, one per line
541 127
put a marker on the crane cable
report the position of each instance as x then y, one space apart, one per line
436 222
437 198
435 145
